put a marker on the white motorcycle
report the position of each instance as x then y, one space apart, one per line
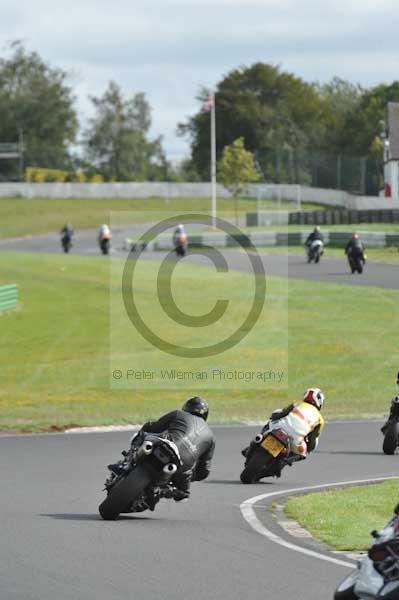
315 251
377 574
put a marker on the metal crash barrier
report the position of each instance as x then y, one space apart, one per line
8 297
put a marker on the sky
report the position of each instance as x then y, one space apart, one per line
170 49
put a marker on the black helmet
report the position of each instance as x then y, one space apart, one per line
197 406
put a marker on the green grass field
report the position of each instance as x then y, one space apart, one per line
343 518
22 216
55 347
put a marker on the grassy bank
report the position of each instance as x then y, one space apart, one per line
344 518
55 348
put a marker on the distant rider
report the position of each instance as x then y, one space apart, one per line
315 235
67 231
303 422
354 245
178 232
104 233
188 429
312 237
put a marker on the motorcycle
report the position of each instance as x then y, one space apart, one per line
142 477
356 260
315 251
377 574
391 432
181 243
268 454
105 242
66 242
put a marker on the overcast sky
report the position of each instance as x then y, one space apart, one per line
170 48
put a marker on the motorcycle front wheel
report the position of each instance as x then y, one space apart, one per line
345 590
124 492
258 463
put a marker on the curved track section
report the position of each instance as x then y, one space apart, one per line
330 270
54 544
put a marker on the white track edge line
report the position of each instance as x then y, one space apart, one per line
248 512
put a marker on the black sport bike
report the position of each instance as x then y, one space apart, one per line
142 478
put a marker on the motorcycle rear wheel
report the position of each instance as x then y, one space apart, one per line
391 438
259 462
124 492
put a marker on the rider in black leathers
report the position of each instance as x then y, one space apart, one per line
193 437
67 231
354 245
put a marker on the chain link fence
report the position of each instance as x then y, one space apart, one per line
359 175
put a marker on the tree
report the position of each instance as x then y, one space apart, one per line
343 99
116 139
272 110
236 169
36 101
363 124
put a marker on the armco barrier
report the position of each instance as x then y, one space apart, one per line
336 239
8 297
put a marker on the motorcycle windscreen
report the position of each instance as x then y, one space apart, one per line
369 581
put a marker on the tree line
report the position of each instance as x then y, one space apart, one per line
296 130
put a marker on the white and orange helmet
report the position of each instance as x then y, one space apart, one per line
314 396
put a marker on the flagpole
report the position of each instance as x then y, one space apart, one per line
213 160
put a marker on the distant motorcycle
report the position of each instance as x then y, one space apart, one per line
66 242
356 260
315 251
181 244
142 477
268 454
377 574
105 244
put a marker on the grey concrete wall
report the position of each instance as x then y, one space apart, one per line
190 190
110 190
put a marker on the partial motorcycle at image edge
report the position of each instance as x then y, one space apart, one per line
315 251
357 260
268 454
142 477
390 429
377 574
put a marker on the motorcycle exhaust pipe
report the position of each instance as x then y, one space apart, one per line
170 469
147 447
258 438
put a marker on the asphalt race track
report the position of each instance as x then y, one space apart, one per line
55 546
331 270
